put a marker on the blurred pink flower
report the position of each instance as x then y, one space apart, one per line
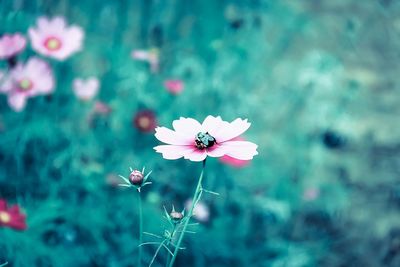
101 108
53 38
86 89
214 138
5 82
311 193
201 211
145 120
174 86
150 56
24 81
11 45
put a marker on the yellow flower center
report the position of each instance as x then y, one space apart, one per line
25 84
52 43
4 217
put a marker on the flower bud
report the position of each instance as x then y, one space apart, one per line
175 216
136 178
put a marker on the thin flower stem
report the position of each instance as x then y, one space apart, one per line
196 196
140 229
155 254
169 255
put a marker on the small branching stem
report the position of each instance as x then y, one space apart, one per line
195 199
155 254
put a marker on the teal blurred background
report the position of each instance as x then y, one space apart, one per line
318 80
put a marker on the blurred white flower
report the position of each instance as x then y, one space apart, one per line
150 56
86 89
201 211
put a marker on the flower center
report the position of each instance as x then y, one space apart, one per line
204 140
52 43
25 84
4 217
144 122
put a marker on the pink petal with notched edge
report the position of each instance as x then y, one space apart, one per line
173 138
57 24
196 155
233 130
173 151
188 126
216 151
243 150
211 124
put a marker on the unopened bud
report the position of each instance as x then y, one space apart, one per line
175 216
136 178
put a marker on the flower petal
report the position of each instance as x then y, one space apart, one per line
188 126
212 124
216 151
3 205
196 155
243 150
231 130
173 138
173 151
17 101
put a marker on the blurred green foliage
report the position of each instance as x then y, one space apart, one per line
317 79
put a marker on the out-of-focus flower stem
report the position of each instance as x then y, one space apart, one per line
140 228
195 198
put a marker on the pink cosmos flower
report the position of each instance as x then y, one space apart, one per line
145 121
54 39
151 56
174 86
214 137
24 81
11 45
86 89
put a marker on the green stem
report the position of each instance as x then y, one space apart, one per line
155 254
140 229
169 255
194 201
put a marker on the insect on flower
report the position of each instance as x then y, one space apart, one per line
214 137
